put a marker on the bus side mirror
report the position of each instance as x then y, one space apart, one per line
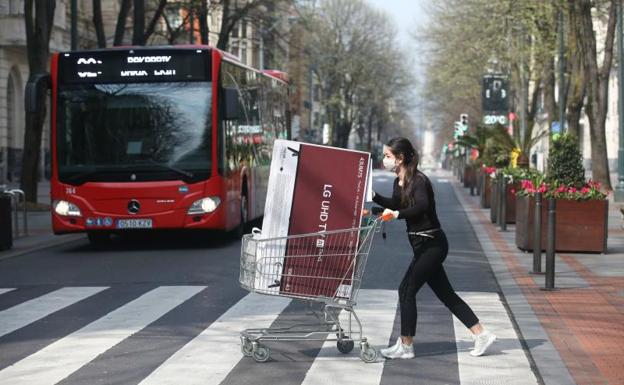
232 109
37 84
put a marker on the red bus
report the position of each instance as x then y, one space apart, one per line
161 138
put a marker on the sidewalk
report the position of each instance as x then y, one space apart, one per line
40 233
582 322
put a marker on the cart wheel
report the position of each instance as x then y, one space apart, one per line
261 353
246 347
368 354
345 346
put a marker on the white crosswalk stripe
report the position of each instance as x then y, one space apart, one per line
213 354
5 290
30 311
506 362
210 356
376 310
61 358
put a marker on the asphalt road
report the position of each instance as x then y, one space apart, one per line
167 309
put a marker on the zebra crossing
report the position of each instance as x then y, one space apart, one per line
213 355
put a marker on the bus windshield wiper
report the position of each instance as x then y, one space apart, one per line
171 168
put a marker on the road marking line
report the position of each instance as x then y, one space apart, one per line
63 357
376 309
209 357
30 311
2 291
505 362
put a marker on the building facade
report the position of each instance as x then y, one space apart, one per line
246 42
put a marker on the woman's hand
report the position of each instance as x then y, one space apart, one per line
389 215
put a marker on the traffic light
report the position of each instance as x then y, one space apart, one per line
463 119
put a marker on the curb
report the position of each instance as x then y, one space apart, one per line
40 246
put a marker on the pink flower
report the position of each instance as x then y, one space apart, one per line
572 190
542 188
585 190
561 189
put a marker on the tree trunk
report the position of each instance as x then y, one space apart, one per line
38 46
120 28
598 83
138 22
226 26
203 21
97 23
577 85
549 91
369 144
152 25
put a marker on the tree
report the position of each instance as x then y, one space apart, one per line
97 23
120 27
359 67
140 34
597 80
39 20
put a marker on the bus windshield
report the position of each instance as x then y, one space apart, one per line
134 132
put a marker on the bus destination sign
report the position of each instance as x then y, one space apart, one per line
130 66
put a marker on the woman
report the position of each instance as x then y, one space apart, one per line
412 199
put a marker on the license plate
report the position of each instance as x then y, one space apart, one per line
134 224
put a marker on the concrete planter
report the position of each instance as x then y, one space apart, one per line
581 225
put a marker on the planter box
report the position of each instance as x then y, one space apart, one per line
510 205
581 225
485 191
469 176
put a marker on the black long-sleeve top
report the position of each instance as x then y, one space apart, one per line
422 214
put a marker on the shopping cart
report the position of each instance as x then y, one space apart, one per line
323 269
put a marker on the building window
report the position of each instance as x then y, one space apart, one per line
244 29
15 7
316 120
235 30
317 93
234 51
174 16
244 55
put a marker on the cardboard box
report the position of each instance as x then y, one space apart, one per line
312 190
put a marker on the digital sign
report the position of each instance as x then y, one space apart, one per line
494 96
134 65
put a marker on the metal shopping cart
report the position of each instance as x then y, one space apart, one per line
323 269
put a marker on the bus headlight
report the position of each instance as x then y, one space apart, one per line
205 205
67 209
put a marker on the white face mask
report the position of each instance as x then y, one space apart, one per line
389 164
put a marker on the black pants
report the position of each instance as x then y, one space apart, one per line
427 267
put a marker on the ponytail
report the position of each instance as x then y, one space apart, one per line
403 147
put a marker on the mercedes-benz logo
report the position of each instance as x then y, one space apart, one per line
134 206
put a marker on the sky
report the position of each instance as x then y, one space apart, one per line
409 15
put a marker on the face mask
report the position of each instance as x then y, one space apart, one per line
389 164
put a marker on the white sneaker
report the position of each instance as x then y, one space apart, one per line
482 342
402 351
385 351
